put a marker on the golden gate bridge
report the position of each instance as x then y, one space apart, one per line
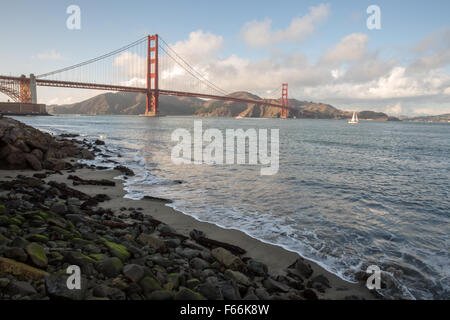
149 66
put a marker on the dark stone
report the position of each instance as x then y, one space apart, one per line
22 288
56 286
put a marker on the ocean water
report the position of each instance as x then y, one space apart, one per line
345 196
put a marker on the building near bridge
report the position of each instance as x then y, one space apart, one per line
19 108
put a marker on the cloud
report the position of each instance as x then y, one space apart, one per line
49 55
395 109
260 34
432 52
350 48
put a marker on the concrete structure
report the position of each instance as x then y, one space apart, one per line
18 108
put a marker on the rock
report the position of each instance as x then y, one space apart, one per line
124 170
37 255
59 208
321 279
257 268
172 243
251 295
309 294
196 234
275 286
161 295
16 160
38 154
84 262
238 277
99 142
4 282
262 294
33 162
117 250
20 242
227 258
133 272
192 283
229 292
300 268
56 286
149 284
20 270
21 288
188 294
110 267
54 164
86 154
155 243
16 253
187 253
210 291
199 264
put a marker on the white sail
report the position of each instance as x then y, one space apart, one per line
354 118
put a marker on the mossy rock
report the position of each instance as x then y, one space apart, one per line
158 269
15 220
73 228
38 213
173 281
2 209
37 254
38 238
188 294
63 232
14 228
98 256
149 284
81 242
21 218
117 250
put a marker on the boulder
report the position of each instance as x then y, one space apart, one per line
33 162
133 272
37 255
110 267
226 258
20 270
56 286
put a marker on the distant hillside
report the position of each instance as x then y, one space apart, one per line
128 103
444 118
134 103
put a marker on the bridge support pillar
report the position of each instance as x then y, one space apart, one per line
152 99
33 91
284 100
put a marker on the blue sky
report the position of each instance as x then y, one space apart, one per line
37 41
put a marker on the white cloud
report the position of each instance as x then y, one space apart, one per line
395 109
260 34
350 48
49 55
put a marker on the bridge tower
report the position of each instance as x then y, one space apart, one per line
152 100
284 100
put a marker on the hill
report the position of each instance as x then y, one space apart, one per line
443 118
134 104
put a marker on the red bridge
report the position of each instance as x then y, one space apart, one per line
148 65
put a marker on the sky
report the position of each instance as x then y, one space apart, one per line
323 49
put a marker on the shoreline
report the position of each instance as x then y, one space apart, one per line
275 257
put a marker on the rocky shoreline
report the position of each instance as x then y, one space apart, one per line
48 222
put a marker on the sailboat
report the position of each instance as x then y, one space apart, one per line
354 118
